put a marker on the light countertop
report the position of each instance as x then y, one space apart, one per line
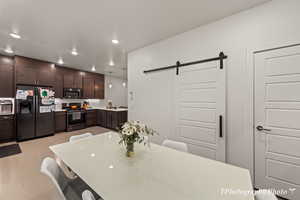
104 108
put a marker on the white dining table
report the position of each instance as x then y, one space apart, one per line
153 173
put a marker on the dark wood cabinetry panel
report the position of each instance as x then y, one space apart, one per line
91 118
34 72
7 131
99 87
111 119
25 71
60 121
68 78
101 118
46 74
88 87
59 82
6 76
78 76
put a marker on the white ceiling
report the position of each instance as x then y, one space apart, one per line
50 29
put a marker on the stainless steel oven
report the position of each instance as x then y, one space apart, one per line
7 106
72 93
75 116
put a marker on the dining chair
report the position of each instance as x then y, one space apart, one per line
78 137
51 169
87 195
180 146
265 195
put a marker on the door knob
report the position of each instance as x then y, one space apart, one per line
261 128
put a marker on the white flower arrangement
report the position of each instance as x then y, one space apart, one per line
135 131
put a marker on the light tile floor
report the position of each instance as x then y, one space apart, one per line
20 177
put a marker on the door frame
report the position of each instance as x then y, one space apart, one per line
249 128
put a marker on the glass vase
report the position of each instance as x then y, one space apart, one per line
130 149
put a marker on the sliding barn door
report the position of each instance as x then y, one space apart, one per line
200 118
277 121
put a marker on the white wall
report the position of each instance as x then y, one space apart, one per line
270 25
117 94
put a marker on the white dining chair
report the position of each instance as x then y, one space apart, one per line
79 137
264 195
51 169
180 146
88 195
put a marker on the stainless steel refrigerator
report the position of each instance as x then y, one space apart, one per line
34 112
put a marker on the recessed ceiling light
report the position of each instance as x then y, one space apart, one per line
124 84
110 85
74 52
8 50
115 41
111 63
93 68
15 35
60 61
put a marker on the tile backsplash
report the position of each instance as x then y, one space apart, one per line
93 102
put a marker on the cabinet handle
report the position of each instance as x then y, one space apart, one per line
220 126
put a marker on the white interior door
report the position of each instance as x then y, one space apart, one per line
200 106
277 120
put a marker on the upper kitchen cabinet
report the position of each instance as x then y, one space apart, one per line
59 82
88 87
78 78
6 76
93 86
99 86
72 78
34 72
68 78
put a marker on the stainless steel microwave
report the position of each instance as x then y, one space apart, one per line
72 93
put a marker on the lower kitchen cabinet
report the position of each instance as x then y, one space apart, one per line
91 117
111 119
60 121
7 131
101 118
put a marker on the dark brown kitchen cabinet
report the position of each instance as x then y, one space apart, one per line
91 117
88 87
7 131
34 72
72 78
78 76
68 78
111 119
59 82
6 76
60 121
99 87
101 118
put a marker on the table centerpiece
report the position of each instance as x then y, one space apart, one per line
134 132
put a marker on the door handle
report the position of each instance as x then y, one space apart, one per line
261 128
220 126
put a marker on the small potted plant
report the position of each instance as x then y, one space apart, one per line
132 132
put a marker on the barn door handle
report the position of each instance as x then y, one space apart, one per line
220 126
261 128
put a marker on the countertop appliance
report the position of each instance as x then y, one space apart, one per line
76 116
7 106
34 112
72 93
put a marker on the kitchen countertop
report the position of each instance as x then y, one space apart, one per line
60 110
6 114
104 108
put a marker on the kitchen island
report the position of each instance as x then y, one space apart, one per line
108 118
